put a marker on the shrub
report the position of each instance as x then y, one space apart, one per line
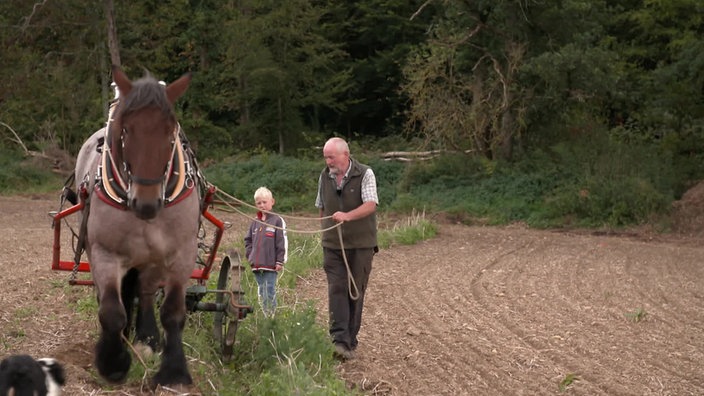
293 182
20 175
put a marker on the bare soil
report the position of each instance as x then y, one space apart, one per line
474 311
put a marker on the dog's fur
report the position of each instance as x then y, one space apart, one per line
22 375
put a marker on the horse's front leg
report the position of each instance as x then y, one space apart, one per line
112 359
146 329
174 369
135 288
147 332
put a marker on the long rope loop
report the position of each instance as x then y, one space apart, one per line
351 284
352 289
232 208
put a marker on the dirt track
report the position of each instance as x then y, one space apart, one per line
475 311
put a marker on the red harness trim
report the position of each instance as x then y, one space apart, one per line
187 191
105 198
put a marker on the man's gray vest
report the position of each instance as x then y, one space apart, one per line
359 233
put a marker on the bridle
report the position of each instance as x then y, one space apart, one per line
116 177
131 178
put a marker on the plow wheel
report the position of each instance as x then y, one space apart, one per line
226 322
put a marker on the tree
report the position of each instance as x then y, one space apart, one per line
51 53
113 42
378 36
493 71
662 43
493 76
287 73
463 81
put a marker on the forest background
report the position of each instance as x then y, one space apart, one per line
559 113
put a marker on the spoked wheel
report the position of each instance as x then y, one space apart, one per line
227 320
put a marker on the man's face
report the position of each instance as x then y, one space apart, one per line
336 160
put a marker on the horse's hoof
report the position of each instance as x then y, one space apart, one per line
171 379
175 389
114 369
116 377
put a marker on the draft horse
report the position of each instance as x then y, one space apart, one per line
143 212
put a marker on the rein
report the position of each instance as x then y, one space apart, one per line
352 285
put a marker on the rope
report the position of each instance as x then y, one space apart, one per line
243 203
351 284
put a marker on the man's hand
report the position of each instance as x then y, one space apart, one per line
359 212
341 217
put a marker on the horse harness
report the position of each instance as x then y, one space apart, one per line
179 178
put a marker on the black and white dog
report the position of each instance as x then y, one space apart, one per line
22 375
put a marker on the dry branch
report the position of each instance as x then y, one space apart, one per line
410 156
60 161
16 137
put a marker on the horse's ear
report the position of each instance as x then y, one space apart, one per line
122 81
178 87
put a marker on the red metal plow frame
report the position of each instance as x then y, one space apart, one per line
201 274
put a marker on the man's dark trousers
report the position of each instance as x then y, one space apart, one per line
346 313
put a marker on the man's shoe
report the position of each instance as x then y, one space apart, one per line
342 353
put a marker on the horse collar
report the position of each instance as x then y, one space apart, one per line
112 188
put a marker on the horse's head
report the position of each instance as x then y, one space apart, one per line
143 133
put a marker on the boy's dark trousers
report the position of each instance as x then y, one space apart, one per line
346 313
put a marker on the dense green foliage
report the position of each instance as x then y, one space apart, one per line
568 112
500 78
271 75
22 175
294 181
588 182
585 183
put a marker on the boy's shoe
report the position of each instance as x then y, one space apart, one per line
342 353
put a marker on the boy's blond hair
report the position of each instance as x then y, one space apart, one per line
263 192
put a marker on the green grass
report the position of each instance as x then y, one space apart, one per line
594 183
637 315
11 336
288 354
23 313
408 231
567 382
22 175
86 305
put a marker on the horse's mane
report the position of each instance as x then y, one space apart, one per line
147 92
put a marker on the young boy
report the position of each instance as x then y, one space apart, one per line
266 247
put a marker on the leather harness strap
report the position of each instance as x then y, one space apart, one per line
112 188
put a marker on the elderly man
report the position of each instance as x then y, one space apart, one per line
346 194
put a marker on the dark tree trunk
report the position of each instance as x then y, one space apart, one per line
113 43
